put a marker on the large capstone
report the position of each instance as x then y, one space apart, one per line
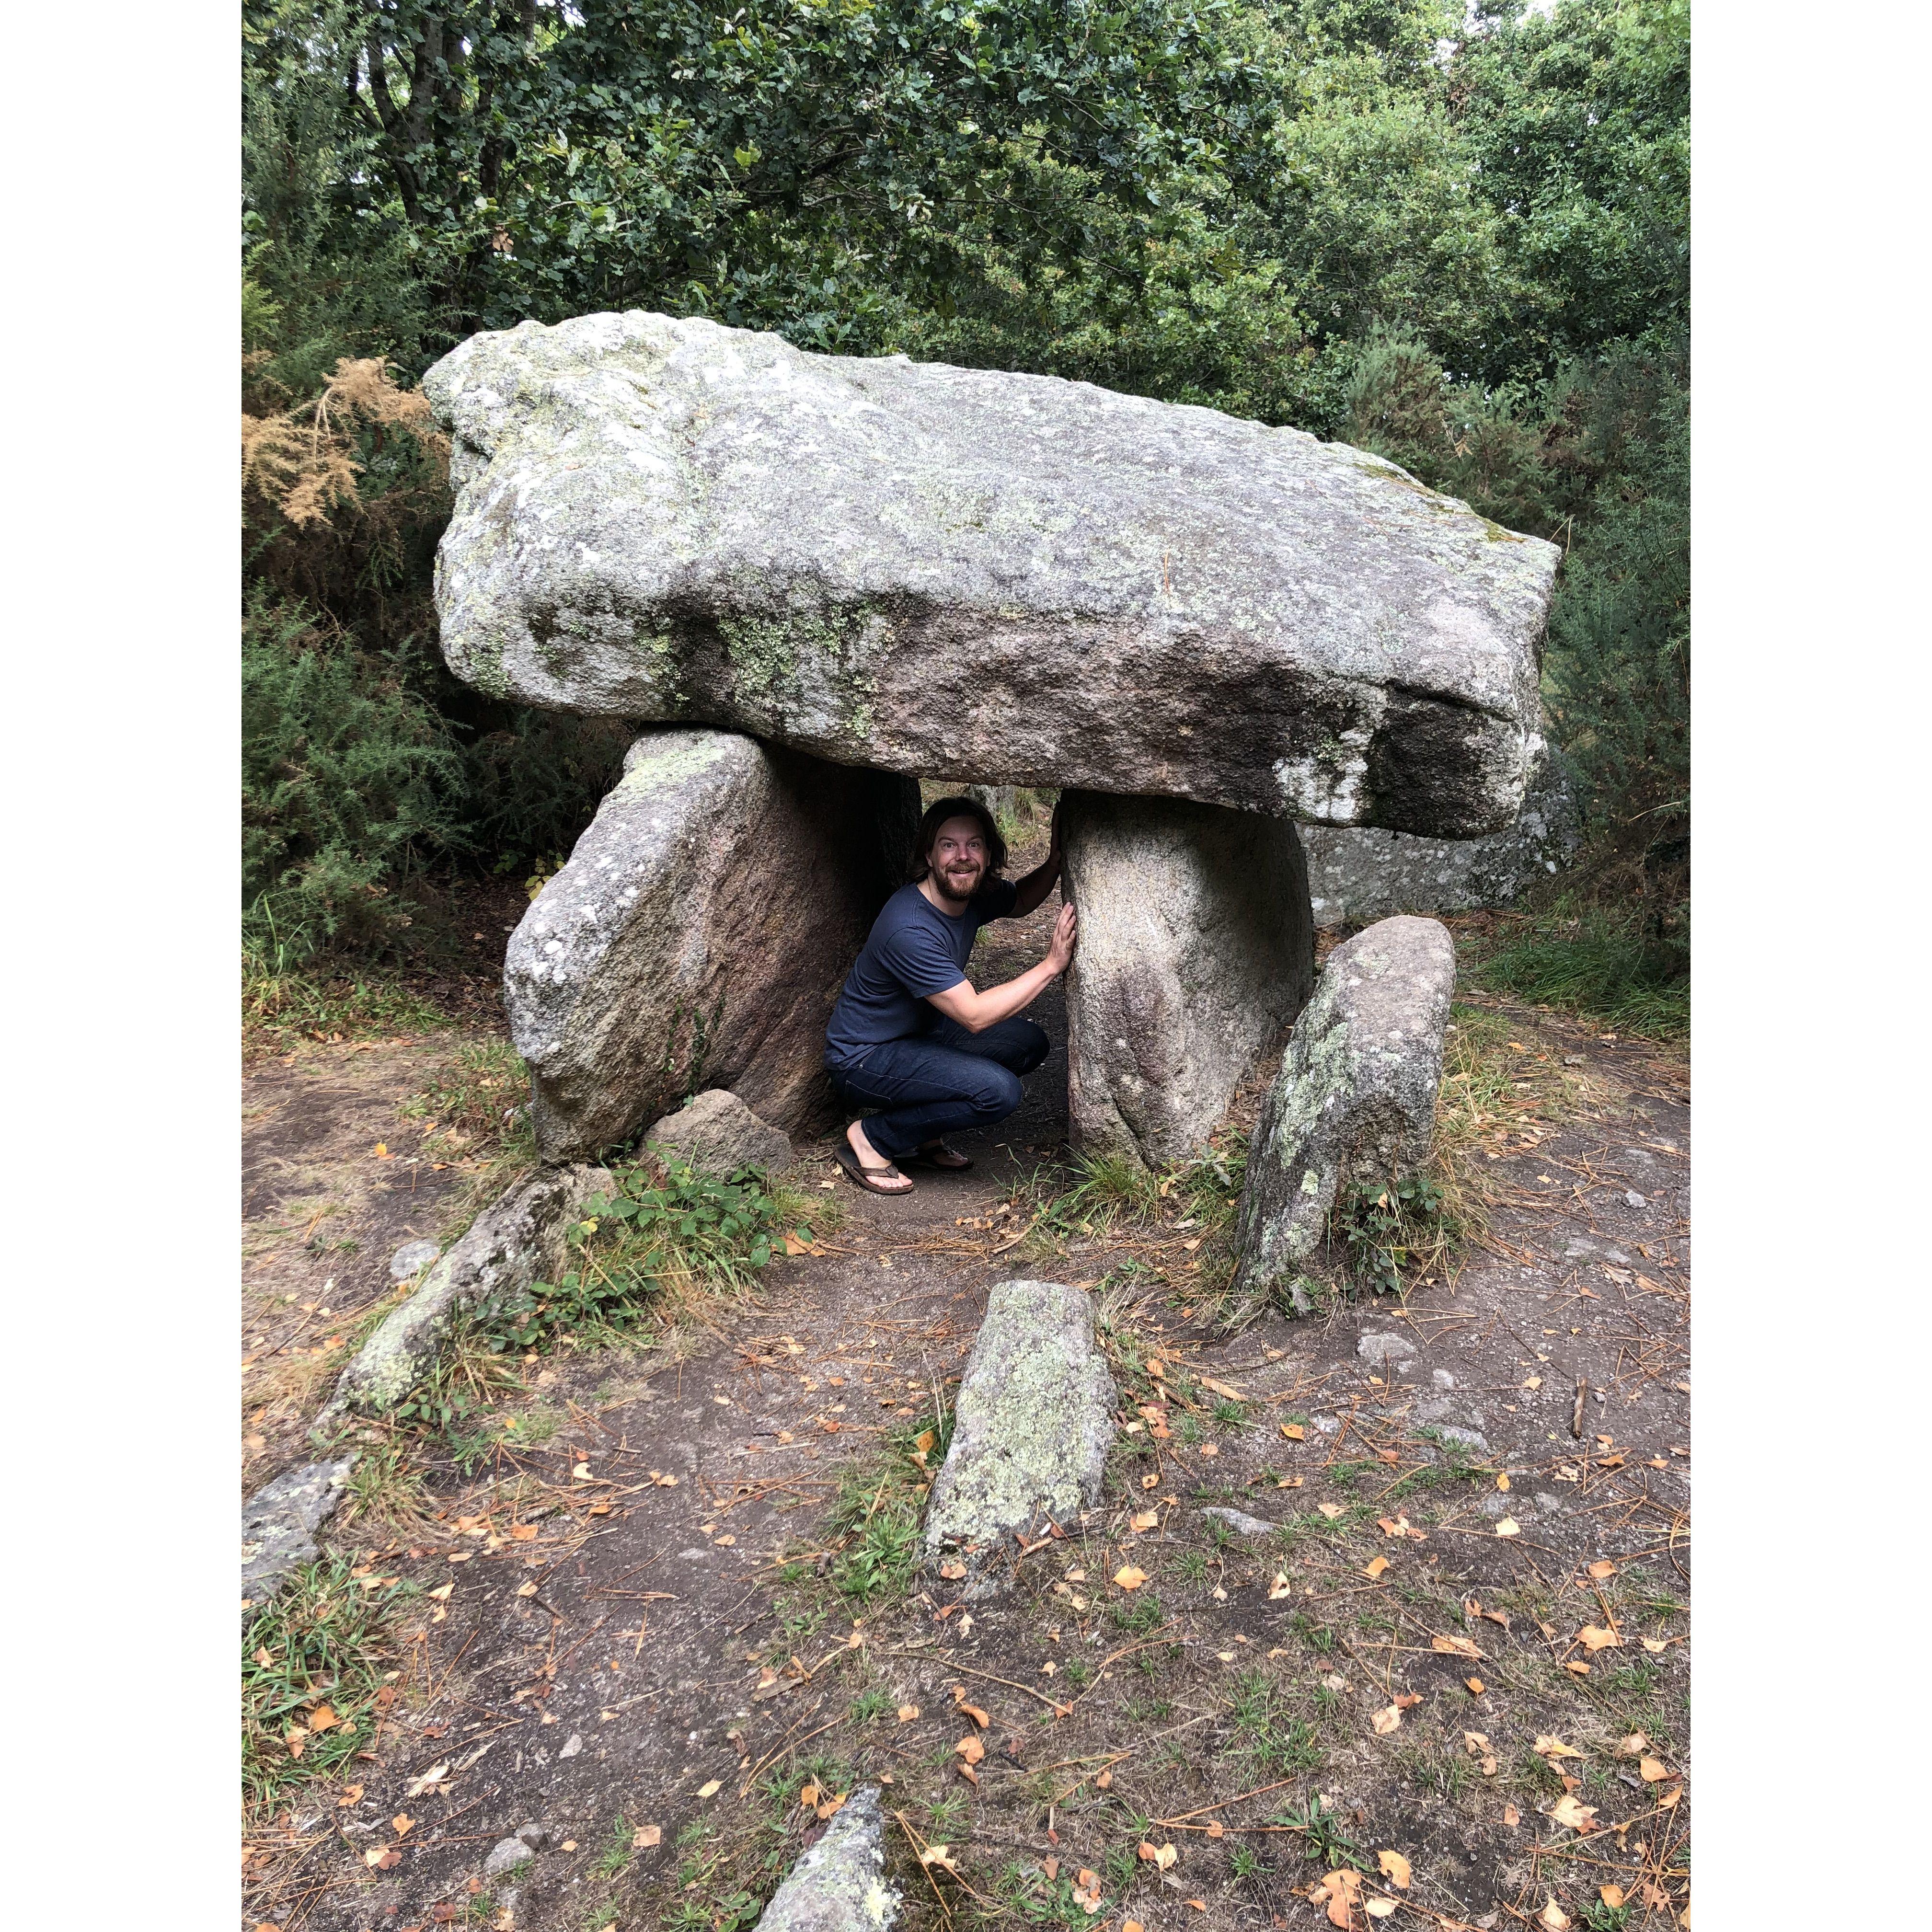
1356 873
1195 952
699 935
1011 578
1355 1099
1032 1423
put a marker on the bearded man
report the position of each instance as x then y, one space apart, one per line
910 1036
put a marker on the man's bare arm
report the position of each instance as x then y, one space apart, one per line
976 1011
1032 890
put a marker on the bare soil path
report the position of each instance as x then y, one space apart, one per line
647 1631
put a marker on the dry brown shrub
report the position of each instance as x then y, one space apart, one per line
303 461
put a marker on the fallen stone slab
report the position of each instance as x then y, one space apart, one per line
1012 578
699 934
1355 1098
1197 950
279 1520
716 1134
1033 1421
519 1240
839 1884
1360 873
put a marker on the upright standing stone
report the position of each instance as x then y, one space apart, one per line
1196 950
932 569
699 935
1355 1097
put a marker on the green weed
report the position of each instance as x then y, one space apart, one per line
315 1649
1601 964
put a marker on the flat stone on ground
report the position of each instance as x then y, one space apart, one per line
279 1520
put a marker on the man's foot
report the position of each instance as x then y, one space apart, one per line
937 1153
863 1163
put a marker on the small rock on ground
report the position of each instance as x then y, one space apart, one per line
505 1855
1379 1349
1241 1521
1033 1419
715 1134
411 1259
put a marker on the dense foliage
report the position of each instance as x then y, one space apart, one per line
1463 242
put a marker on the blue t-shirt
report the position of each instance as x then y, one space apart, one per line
913 951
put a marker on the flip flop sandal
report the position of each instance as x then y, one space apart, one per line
937 1157
866 1176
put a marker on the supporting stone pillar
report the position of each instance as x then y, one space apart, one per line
1196 951
699 935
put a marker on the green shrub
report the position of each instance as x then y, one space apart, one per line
348 779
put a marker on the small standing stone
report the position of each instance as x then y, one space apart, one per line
1355 1099
1033 1421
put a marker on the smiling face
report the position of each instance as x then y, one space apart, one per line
958 859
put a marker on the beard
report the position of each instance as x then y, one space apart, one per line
959 881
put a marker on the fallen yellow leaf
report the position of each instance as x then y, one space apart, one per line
1600 1571
1508 1527
1553 1919
1373 1570
323 1718
1146 1518
1651 1771
970 1748
1454 1646
1613 1895
645 1836
1395 1868
1388 1719
1593 1637
1129 1577
1330 1510
908 1712
1380 1908
1579 1817
1280 1587
709 1788
1547 1746
1294 1432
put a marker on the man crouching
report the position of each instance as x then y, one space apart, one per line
910 1035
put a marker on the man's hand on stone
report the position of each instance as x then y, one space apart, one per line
1059 948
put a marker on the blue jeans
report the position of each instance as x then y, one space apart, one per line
936 1083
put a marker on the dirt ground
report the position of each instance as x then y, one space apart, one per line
1450 1671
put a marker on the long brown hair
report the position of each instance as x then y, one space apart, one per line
936 814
